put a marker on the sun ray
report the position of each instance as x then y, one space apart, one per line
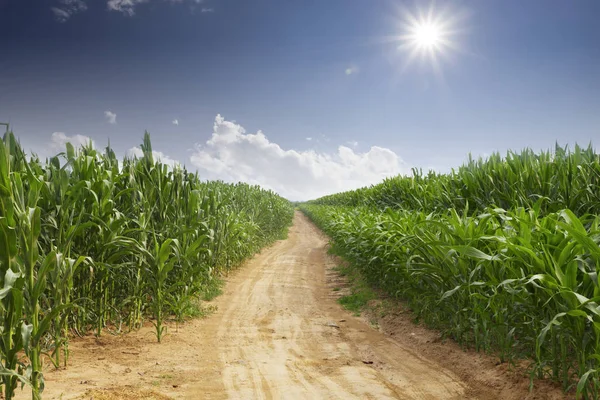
427 35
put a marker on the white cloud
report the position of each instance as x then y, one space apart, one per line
234 155
309 139
157 155
351 70
66 8
60 14
353 143
126 7
175 122
111 117
60 139
56 144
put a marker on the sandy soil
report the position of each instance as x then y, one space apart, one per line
278 333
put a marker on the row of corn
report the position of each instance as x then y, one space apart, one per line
88 243
502 255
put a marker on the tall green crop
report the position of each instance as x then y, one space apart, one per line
520 279
562 179
90 243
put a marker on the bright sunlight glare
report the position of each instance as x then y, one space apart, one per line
428 35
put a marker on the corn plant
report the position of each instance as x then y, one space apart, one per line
89 243
519 280
563 179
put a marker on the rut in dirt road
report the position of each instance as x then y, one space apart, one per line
279 335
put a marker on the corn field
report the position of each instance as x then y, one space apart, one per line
501 255
88 243
560 179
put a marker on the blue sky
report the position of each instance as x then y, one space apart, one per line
525 74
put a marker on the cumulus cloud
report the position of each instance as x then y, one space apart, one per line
234 155
59 140
353 143
126 7
57 143
175 122
111 117
66 8
157 155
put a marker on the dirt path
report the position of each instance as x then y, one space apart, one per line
280 336
277 334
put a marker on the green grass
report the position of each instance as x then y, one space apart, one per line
283 233
196 309
360 291
213 289
356 301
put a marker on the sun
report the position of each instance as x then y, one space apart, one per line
428 35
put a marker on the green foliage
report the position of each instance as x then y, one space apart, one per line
560 179
212 290
360 291
88 242
520 280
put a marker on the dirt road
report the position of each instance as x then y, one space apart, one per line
280 336
277 334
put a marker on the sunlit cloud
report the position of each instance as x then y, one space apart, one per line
233 155
57 144
59 140
127 7
66 8
111 117
137 152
